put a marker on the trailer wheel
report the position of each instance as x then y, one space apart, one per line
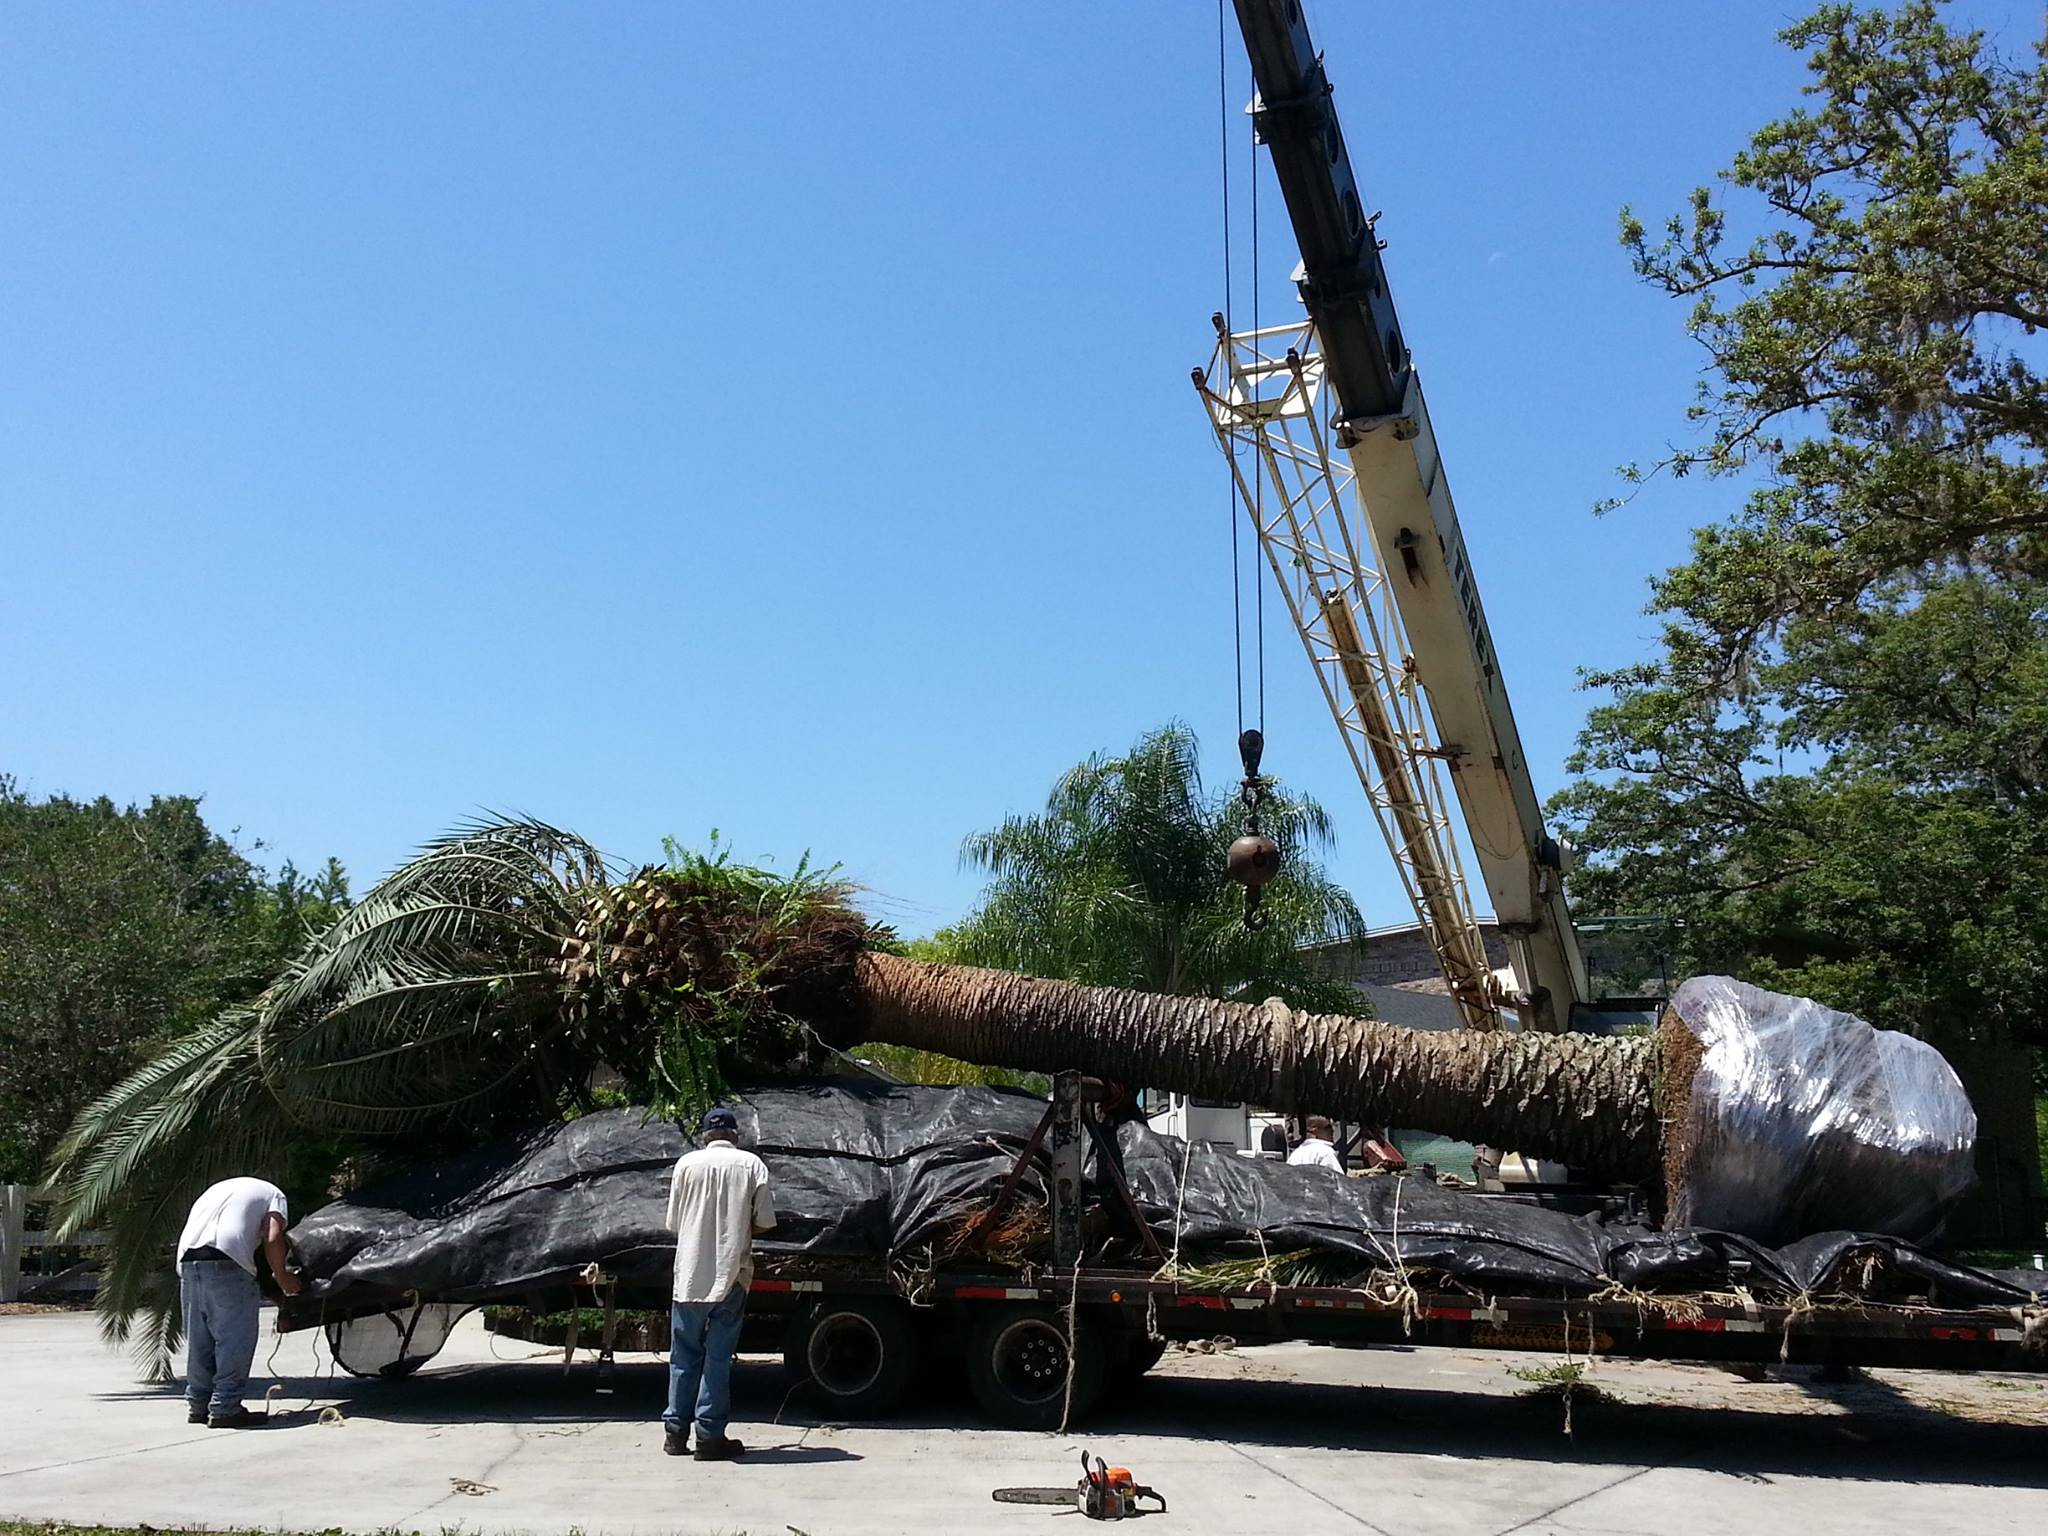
1017 1365
852 1355
1137 1357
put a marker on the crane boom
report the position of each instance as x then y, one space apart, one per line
1380 423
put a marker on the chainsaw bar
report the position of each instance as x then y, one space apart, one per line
1037 1495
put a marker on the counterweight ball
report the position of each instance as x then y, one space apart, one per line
1253 860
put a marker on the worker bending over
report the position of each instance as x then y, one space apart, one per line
717 1201
1316 1150
217 1254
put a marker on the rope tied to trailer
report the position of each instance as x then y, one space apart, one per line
2033 1321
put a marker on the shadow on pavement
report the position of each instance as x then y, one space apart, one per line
1878 1434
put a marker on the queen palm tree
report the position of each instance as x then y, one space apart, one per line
1120 881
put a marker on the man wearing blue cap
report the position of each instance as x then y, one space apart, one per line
717 1201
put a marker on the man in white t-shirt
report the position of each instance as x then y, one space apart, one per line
1316 1149
717 1201
217 1255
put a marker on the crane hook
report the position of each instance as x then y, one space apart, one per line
1254 859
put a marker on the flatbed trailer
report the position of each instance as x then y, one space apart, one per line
1041 1345
1011 1334
1049 1347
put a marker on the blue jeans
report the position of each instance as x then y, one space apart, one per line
702 1336
221 1301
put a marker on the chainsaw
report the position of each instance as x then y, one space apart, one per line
1104 1493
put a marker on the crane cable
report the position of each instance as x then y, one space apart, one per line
1253 859
1224 383
1258 506
1258 485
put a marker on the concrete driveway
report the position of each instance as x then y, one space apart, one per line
492 1436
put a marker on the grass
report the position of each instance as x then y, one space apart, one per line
1564 1374
1564 1382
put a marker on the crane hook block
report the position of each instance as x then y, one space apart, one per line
1251 746
1253 860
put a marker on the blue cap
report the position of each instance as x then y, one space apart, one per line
719 1119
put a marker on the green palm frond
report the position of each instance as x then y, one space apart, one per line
138 1155
436 999
130 1123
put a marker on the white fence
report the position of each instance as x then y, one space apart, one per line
30 1266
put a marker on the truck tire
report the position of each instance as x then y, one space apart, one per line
1138 1355
852 1355
1017 1366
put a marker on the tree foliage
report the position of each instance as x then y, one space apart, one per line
1120 881
1869 345
1832 773
121 927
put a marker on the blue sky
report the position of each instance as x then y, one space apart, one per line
771 418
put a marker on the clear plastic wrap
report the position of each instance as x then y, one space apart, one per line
1803 1119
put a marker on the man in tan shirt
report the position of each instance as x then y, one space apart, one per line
717 1201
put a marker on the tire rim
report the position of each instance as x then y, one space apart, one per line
1029 1360
845 1354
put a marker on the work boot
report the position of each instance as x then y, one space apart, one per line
675 1442
724 1448
241 1418
195 1413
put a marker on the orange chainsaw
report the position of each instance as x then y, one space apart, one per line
1104 1493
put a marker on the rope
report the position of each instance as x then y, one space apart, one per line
1402 1288
1180 1202
1073 1310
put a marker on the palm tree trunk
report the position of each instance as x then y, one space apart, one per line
1587 1101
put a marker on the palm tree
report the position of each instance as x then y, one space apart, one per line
1120 882
482 983
1591 1102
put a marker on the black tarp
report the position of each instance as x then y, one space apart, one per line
866 1174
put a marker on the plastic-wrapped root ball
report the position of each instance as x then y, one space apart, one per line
1803 1119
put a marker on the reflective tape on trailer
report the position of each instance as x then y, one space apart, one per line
779 1286
1486 1314
996 1293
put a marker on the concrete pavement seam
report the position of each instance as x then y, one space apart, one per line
1304 1488
79 1461
1590 1493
